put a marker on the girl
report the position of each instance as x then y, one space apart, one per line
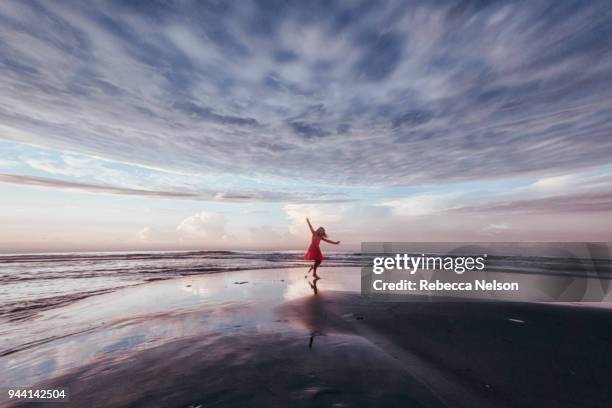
314 252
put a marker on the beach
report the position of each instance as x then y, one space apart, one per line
271 337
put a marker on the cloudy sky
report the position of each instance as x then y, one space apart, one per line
179 125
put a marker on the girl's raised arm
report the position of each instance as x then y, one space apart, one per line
310 226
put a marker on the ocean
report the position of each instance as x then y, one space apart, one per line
31 283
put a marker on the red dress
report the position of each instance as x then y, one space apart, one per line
314 252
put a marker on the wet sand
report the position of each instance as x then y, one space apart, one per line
273 338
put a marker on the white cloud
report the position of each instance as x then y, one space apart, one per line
80 166
327 215
556 183
564 184
49 167
204 224
144 234
496 228
422 204
7 164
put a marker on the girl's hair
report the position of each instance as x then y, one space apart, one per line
321 232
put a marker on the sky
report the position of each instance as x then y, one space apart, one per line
144 125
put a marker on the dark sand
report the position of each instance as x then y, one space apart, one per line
215 341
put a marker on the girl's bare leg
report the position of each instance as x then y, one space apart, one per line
311 268
315 266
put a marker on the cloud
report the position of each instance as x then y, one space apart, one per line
566 203
382 52
328 215
48 166
556 183
93 188
567 193
144 234
493 229
206 114
7 164
202 195
205 225
350 93
308 130
422 204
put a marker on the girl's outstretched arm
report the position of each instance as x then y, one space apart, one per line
310 226
330 241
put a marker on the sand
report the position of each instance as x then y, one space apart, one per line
270 338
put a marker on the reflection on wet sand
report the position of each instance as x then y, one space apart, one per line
249 351
313 286
253 344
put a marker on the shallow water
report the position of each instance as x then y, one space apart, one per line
143 316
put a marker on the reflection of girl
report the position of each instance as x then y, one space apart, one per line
314 252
